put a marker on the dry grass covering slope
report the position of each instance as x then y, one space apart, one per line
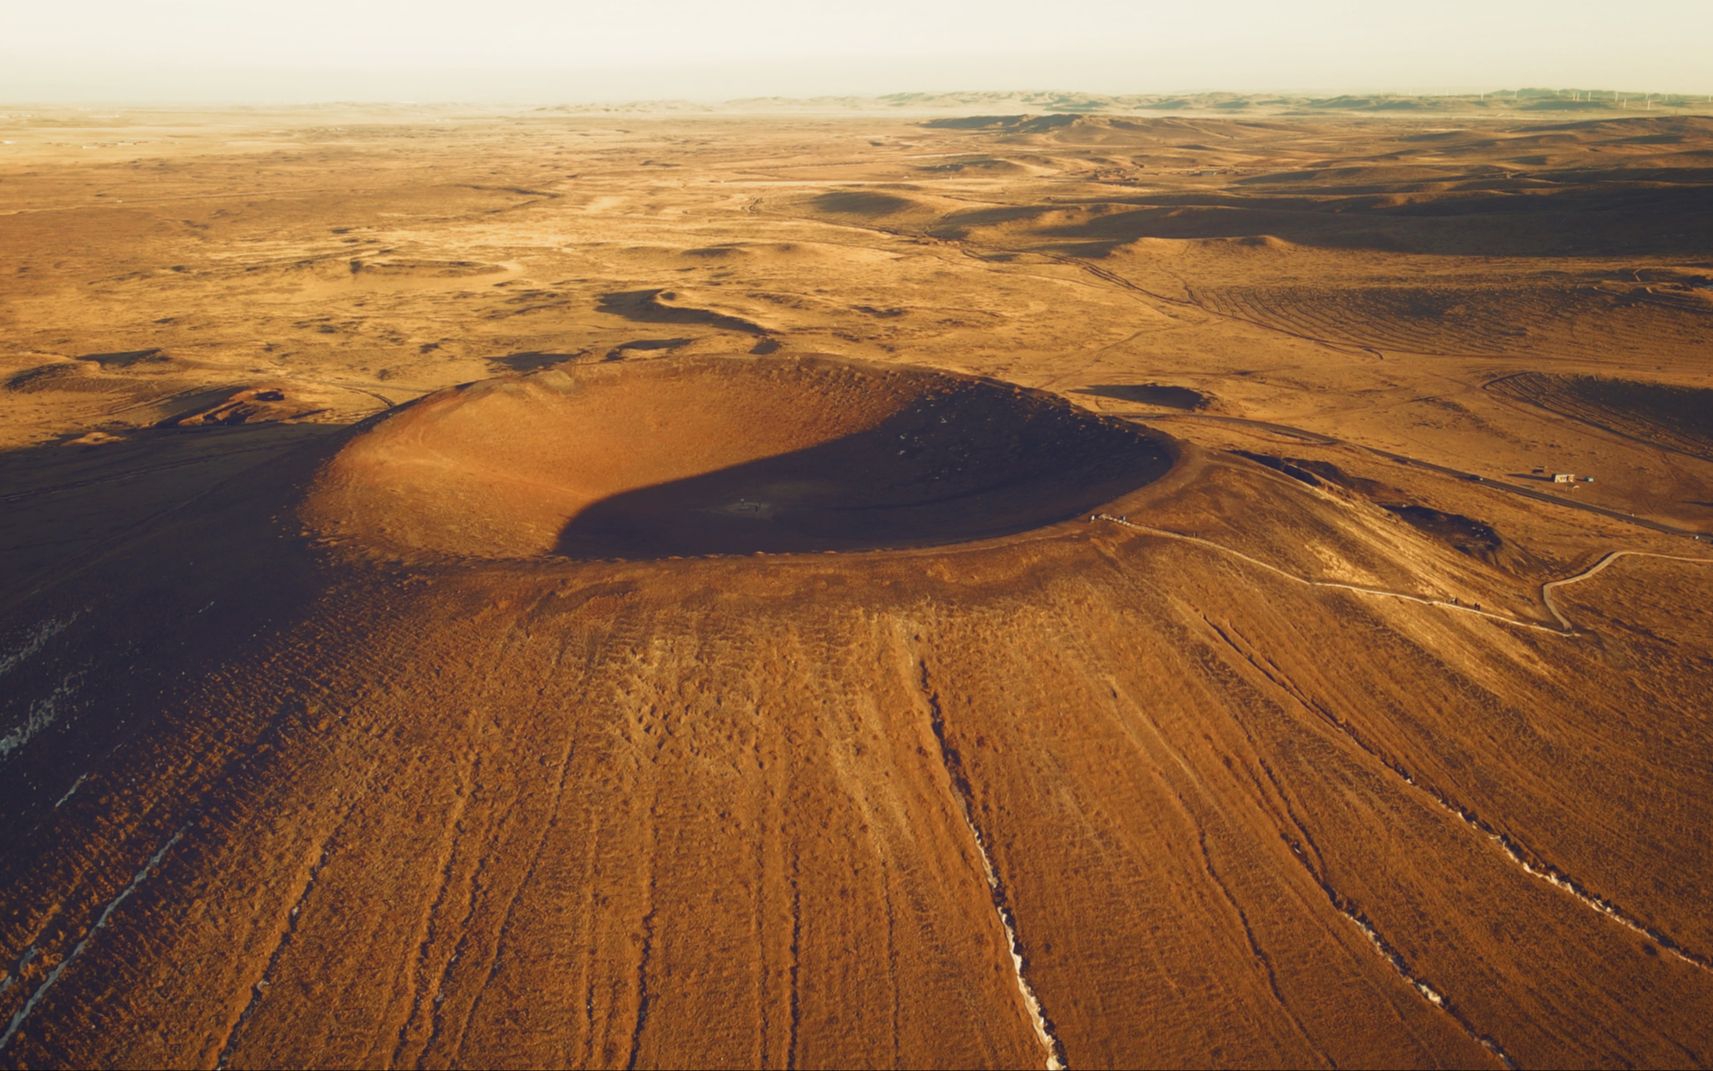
831 589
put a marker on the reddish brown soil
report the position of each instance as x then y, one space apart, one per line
740 678
724 456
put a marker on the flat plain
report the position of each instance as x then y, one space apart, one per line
820 587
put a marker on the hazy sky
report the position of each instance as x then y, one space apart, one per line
572 50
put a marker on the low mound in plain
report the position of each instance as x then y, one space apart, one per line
699 456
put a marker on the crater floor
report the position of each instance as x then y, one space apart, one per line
715 455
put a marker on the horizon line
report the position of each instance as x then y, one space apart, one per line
893 99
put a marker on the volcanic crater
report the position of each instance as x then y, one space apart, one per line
698 456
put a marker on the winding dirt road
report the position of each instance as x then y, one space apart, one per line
1322 439
1599 566
1564 628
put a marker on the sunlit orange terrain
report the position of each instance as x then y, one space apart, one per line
848 589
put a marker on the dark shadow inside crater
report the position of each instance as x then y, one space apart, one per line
935 473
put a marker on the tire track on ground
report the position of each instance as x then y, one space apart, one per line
1564 627
418 977
1320 439
259 989
1251 940
1526 858
1600 566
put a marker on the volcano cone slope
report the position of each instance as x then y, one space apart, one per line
700 456
1099 792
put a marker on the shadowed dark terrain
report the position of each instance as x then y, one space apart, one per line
975 463
1152 394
